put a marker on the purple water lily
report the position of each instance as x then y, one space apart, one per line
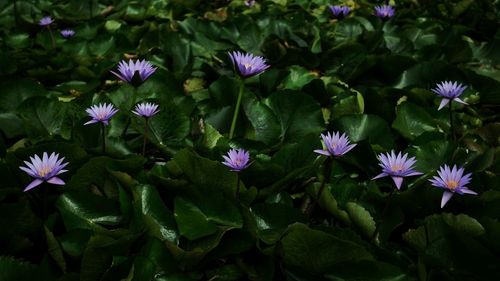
237 159
67 33
452 180
101 113
44 169
146 110
339 11
248 64
45 21
397 167
134 73
336 144
384 11
450 91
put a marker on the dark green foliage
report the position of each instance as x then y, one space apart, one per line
174 214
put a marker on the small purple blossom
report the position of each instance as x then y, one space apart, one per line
44 169
339 11
134 73
249 3
146 110
67 33
248 64
237 159
101 113
45 21
450 91
397 167
452 180
384 11
336 144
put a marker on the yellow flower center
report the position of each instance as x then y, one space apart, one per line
247 65
451 184
396 168
44 171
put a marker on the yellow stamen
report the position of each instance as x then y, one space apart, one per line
247 65
396 168
44 171
451 184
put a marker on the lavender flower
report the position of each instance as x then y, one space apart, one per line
134 73
397 167
449 91
339 11
237 159
45 169
336 144
45 21
67 33
248 64
452 181
384 11
146 110
249 3
101 113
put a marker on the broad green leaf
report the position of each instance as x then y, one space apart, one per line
192 223
412 120
361 218
300 244
365 126
152 214
299 115
82 209
297 78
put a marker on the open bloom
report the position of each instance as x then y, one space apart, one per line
101 113
44 169
384 11
45 21
449 91
146 109
248 64
134 73
336 144
237 159
452 180
67 33
339 11
397 167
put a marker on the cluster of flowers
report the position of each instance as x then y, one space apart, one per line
381 11
397 166
394 165
47 21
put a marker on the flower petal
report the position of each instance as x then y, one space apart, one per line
33 184
446 197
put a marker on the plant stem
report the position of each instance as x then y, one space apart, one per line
327 170
452 128
52 37
236 109
103 136
91 7
145 136
238 187
16 15
384 211
45 198
129 120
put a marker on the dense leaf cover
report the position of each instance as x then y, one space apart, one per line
178 213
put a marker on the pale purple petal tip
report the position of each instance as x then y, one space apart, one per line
446 197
